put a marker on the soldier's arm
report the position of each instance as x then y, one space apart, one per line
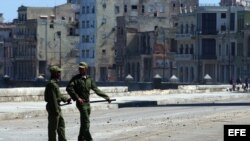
71 91
98 91
52 99
64 98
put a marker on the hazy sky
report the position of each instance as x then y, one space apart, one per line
9 7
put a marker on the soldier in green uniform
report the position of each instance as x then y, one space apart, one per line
53 97
79 89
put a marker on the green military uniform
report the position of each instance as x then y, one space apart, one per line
79 87
53 97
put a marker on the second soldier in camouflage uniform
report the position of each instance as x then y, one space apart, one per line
79 89
53 97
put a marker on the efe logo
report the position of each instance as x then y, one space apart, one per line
236 132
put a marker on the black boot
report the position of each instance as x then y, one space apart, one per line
81 138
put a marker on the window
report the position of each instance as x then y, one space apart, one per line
143 9
240 49
93 9
186 29
93 36
192 49
209 48
182 29
87 10
83 54
93 24
186 49
155 14
134 7
87 53
83 24
233 49
248 46
192 28
227 50
125 9
232 20
87 39
121 31
209 23
219 50
181 49
223 15
93 54
83 10
117 10
87 24
223 28
103 52
83 38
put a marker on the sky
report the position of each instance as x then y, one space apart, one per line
9 7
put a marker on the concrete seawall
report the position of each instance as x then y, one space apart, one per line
37 93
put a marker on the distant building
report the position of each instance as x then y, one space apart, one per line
213 40
1 18
6 38
97 36
187 51
44 36
145 37
235 3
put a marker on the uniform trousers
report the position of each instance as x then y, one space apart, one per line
56 124
84 133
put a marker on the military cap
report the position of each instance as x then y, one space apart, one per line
83 65
55 69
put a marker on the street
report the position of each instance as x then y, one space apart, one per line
187 122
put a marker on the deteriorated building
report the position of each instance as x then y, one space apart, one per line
145 37
44 36
6 37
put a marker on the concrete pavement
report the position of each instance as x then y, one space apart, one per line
14 110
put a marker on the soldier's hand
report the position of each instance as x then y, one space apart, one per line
81 101
109 101
69 100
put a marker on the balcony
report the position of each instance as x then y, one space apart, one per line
209 57
183 57
187 36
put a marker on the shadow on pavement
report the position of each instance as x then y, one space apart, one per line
154 104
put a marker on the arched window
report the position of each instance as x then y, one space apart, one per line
186 28
186 49
192 49
182 29
181 49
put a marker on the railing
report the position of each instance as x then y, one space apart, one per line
184 36
209 57
182 57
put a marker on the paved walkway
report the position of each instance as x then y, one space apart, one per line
14 110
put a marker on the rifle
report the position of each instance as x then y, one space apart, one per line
95 101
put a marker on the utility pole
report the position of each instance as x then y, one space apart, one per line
60 48
228 42
164 55
198 34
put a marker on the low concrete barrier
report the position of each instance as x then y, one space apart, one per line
37 93
210 88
